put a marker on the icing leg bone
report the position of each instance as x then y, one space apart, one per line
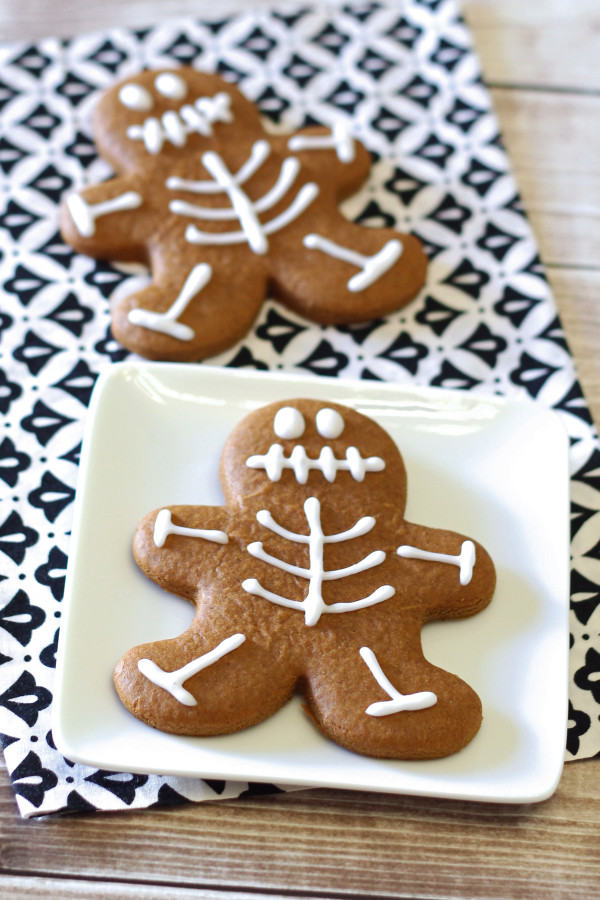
465 559
173 681
164 526
372 267
166 322
84 214
398 702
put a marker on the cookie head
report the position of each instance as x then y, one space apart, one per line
161 114
289 451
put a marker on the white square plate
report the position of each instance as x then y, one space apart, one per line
493 469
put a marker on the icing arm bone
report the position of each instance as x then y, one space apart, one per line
165 533
96 220
465 560
164 526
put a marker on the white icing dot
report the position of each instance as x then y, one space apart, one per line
171 86
330 424
136 97
288 423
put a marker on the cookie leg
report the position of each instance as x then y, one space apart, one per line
187 315
203 683
349 273
377 704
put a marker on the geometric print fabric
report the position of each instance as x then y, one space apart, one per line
407 80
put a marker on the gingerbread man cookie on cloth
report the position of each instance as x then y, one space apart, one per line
309 579
225 215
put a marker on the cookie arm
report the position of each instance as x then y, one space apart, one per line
454 576
107 220
330 155
179 546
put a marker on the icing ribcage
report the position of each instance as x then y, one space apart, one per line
313 604
241 208
287 176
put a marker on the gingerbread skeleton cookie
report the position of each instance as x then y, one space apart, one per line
225 215
308 579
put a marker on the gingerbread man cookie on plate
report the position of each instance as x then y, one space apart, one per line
225 215
309 579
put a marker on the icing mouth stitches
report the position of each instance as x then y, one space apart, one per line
175 126
274 461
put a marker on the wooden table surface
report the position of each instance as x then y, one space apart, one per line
540 61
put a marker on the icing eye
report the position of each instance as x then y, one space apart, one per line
329 423
171 86
288 423
136 97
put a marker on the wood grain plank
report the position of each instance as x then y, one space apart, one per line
330 842
553 44
25 888
34 19
554 146
577 294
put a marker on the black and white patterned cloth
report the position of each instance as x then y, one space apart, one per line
405 76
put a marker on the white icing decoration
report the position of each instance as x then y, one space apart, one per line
173 681
339 140
136 97
171 86
176 126
84 214
287 175
166 322
398 702
163 527
302 200
274 461
372 267
288 423
150 132
258 155
330 423
313 604
465 560
175 129
242 208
